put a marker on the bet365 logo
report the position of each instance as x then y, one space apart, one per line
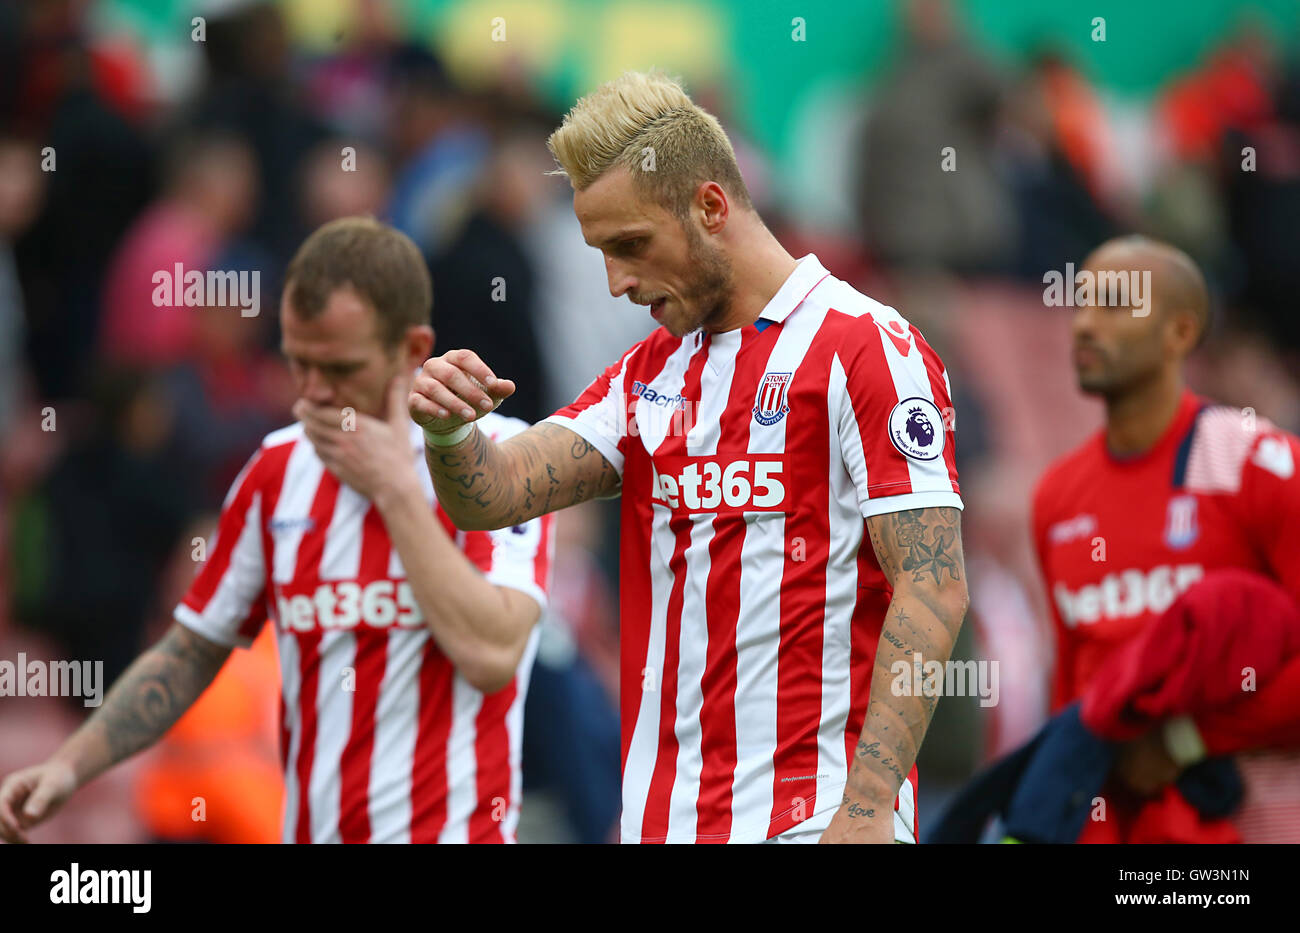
719 484
346 604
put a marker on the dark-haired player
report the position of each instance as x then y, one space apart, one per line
1172 487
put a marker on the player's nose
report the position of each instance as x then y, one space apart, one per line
316 388
1084 322
620 281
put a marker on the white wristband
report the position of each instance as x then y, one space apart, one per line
1183 741
450 439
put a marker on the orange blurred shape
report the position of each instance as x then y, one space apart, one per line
216 777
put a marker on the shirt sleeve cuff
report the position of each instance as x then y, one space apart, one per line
911 500
196 623
529 589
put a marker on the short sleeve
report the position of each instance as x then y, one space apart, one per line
1270 494
895 420
226 603
599 415
519 557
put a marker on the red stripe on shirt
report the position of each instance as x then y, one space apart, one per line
429 766
263 476
635 598
654 824
371 658
477 546
722 597
307 573
803 600
542 561
492 776
871 390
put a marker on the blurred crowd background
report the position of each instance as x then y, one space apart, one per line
137 134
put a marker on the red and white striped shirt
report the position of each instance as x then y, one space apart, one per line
752 600
382 739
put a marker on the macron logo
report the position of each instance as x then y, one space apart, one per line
641 390
1081 526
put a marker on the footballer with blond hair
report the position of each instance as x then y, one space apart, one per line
790 510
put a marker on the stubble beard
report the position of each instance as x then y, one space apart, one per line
711 288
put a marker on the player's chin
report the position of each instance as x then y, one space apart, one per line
1092 382
679 325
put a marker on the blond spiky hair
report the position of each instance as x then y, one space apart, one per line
647 123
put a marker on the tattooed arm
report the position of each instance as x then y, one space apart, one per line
920 553
485 485
147 699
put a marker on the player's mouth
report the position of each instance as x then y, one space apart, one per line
1086 357
657 307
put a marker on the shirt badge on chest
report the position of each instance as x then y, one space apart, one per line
1181 529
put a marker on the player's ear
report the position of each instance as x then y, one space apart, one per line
1185 329
418 344
711 206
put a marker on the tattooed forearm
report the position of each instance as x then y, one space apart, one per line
919 552
148 698
927 540
483 484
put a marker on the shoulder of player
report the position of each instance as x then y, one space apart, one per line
276 446
259 467
855 321
288 434
651 352
1229 443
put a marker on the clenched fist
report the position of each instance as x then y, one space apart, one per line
455 389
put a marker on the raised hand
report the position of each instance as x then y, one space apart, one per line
455 389
371 455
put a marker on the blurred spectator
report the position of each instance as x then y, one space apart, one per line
21 190
209 197
251 93
348 89
485 283
228 393
338 184
1257 105
1079 128
440 147
941 94
92 539
1232 90
1040 151
100 174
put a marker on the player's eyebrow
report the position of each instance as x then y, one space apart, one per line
629 234
340 364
